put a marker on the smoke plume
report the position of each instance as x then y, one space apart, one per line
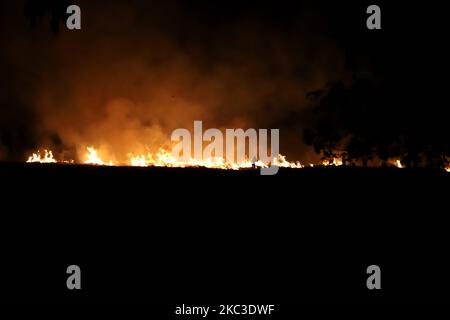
140 69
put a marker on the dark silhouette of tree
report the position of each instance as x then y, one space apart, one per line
335 122
353 121
36 10
366 120
396 105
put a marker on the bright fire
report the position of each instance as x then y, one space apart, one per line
93 158
396 163
36 157
164 158
335 162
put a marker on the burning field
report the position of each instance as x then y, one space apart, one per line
164 158
109 94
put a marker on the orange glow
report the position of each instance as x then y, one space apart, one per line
336 162
396 162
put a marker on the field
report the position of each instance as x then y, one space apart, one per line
198 233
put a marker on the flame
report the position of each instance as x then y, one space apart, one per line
138 161
36 157
282 162
396 163
164 158
93 158
336 162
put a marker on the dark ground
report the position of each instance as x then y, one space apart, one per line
210 235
